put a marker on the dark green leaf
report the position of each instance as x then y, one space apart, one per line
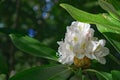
33 46
115 74
63 75
77 75
40 73
85 77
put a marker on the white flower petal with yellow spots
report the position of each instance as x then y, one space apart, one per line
99 51
65 52
79 42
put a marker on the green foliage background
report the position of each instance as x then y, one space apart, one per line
49 22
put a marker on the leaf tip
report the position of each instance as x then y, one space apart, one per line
63 5
10 35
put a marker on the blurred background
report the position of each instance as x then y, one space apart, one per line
43 20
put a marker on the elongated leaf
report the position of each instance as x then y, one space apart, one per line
40 73
33 46
63 75
90 18
102 75
112 35
108 75
109 8
115 3
77 75
104 23
115 74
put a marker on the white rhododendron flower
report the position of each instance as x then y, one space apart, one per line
80 43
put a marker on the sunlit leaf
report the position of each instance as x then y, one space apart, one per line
88 17
33 46
104 23
40 73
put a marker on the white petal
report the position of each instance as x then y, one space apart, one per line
105 51
102 42
89 55
80 56
102 60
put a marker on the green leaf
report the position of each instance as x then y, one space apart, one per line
108 75
111 35
83 16
102 74
3 65
40 73
33 46
115 74
63 75
115 3
84 77
109 8
77 75
106 24
87 17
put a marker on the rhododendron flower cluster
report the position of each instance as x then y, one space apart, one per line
80 44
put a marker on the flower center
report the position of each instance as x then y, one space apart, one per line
75 39
83 63
83 46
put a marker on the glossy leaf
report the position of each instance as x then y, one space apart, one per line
108 75
115 74
104 23
40 73
81 15
33 46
